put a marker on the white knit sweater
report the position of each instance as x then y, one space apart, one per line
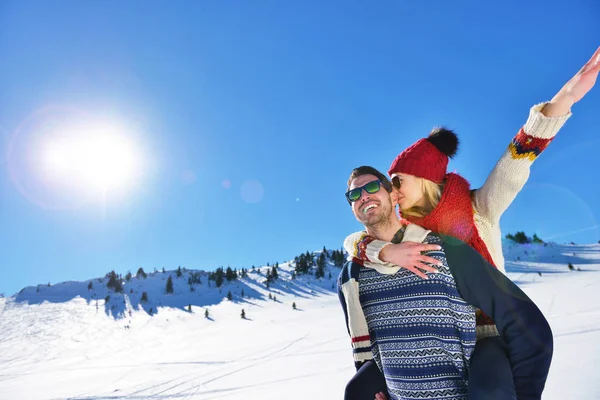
499 190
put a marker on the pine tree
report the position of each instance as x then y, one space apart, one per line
189 307
144 298
274 298
163 271
230 275
321 260
128 276
179 273
169 285
339 262
229 296
320 273
206 313
217 276
294 305
243 314
302 264
107 298
274 273
141 273
90 286
571 267
519 237
270 296
114 282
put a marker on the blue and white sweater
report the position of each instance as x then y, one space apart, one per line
421 333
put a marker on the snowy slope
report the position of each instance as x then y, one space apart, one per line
65 342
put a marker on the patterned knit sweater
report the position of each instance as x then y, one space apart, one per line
499 190
422 333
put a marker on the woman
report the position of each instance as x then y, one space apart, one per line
444 203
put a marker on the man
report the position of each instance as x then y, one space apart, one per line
420 334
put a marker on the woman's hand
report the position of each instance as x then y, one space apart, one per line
380 396
408 255
575 89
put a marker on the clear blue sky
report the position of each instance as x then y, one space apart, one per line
251 115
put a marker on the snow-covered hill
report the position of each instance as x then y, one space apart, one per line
68 341
192 289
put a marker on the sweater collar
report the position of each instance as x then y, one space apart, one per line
398 236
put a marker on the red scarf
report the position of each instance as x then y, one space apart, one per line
453 215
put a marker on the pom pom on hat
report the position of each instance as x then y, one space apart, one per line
445 140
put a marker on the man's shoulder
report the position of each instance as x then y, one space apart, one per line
452 248
433 238
349 271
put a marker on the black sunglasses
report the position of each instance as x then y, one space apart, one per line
371 188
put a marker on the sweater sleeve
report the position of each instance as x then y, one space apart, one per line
363 247
341 296
512 170
520 322
344 276
342 299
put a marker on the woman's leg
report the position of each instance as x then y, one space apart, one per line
490 372
367 381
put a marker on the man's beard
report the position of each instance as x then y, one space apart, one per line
381 220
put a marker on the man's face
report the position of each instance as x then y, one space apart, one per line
371 209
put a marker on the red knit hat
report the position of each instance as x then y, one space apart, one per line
428 157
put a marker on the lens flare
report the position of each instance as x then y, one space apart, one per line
61 158
252 191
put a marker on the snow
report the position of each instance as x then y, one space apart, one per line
64 342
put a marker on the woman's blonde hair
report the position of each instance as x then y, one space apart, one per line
432 192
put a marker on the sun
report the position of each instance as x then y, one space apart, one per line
65 158
96 158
